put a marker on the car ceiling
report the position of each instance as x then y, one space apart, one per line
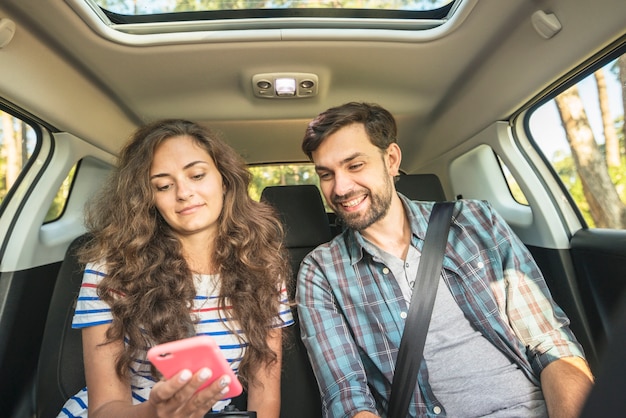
443 86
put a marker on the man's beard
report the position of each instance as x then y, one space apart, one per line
379 206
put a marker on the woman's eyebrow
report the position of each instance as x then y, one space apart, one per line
187 166
191 164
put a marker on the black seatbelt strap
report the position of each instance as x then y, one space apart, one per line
422 301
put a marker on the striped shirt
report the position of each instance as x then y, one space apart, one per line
91 311
352 309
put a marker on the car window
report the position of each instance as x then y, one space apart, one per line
511 181
580 132
264 175
18 140
58 204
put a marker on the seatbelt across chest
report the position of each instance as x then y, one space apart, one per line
422 301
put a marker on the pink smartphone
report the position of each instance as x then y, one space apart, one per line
193 354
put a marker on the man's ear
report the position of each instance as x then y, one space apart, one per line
394 158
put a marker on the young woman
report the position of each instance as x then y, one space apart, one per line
179 249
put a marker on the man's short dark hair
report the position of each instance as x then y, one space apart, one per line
379 124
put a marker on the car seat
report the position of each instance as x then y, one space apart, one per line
306 226
426 187
60 372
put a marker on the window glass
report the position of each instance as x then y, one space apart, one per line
18 140
17 143
143 17
58 204
511 181
147 7
281 175
581 133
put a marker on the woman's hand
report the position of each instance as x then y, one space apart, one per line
111 396
179 396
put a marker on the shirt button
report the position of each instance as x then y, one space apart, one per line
480 265
437 410
385 270
403 315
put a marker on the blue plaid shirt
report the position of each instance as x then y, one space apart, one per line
352 310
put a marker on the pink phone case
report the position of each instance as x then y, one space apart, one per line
193 354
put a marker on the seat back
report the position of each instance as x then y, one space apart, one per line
307 226
60 373
304 217
426 187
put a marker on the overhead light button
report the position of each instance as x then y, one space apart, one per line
285 85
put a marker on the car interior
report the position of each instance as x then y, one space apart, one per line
467 81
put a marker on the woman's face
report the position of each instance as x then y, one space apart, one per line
188 188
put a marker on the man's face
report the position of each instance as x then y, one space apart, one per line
356 178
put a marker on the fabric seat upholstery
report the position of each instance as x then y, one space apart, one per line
306 226
60 372
305 220
426 187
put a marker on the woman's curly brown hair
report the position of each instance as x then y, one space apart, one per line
149 285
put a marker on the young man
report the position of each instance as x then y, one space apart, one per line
497 344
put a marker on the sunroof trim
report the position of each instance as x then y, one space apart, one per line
266 29
143 11
276 23
236 14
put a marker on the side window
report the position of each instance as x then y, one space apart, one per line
511 181
18 140
581 133
58 204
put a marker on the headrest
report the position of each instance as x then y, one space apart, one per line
302 212
426 187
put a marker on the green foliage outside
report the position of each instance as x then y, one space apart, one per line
281 175
58 204
564 167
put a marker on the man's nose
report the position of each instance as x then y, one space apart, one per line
343 184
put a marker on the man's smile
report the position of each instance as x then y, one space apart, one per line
354 202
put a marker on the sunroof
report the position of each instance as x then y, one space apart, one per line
167 21
157 7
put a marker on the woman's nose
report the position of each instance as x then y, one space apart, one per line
183 191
